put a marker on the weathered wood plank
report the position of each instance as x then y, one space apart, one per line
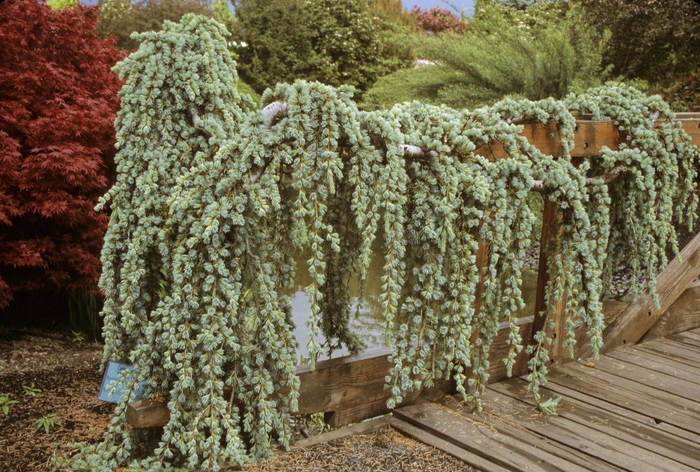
359 400
482 439
612 450
689 338
147 413
652 378
623 428
474 460
552 452
666 407
551 237
365 427
611 310
641 315
551 388
682 315
691 125
350 389
589 139
677 351
658 363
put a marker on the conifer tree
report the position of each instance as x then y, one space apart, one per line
213 197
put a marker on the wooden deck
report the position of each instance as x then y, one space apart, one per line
635 409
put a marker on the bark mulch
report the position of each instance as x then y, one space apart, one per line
65 370
382 450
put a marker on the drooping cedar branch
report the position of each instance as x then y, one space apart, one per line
273 111
539 186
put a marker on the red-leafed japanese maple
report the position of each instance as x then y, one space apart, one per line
58 101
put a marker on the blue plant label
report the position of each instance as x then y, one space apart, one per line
112 389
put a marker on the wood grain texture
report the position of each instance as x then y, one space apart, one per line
581 437
551 239
643 399
478 437
646 376
658 363
689 338
365 427
674 350
500 423
691 125
474 460
682 315
589 139
621 427
147 413
641 315
351 388
610 407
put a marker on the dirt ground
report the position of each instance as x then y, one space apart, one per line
61 378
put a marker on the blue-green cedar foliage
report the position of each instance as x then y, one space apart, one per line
211 203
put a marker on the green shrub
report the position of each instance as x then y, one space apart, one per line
654 41
538 53
683 93
330 41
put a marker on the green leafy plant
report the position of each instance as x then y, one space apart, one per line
84 314
47 423
31 390
213 197
6 404
77 338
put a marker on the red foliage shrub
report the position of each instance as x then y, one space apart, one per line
58 102
437 20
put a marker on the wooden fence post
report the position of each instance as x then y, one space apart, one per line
551 219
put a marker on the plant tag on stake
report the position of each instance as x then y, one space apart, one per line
112 389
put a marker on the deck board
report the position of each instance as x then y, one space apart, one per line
679 351
622 427
631 395
635 409
659 363
658 380
689 338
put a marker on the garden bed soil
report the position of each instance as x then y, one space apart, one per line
66 372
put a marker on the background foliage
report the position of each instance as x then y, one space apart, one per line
334 42
545 51
651 40
437 20
120 18
57 106
682 93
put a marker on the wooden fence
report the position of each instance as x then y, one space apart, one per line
351 389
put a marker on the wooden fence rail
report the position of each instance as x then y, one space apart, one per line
350 389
